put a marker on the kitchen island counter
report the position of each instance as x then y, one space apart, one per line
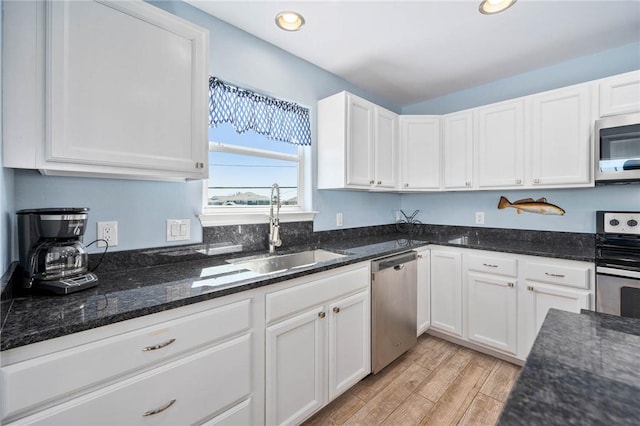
583 369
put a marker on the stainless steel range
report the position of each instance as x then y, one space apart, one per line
618 263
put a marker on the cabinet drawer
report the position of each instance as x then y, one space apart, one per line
570 276
41 379
493 265
199 385
282 303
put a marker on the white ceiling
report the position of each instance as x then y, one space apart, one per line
411 51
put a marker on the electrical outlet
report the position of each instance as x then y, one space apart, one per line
178 229
107 231
339 221
479 218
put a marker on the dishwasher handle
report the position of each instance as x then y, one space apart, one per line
396 261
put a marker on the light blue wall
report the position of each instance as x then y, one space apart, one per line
585 68
459 208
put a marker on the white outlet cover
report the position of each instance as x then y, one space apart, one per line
107 231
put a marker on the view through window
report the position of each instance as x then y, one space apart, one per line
242 168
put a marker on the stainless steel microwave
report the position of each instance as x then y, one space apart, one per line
617 143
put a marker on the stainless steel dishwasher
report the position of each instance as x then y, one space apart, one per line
393 308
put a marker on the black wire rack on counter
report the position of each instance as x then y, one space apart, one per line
409 224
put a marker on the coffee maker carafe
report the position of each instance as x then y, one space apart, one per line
52 254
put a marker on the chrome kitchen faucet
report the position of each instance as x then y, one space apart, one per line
274 220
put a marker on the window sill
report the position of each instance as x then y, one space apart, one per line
251 216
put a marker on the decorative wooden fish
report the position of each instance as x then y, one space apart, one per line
540 206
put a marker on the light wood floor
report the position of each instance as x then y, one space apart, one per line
435 383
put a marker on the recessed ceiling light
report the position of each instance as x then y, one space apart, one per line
489 7
289 21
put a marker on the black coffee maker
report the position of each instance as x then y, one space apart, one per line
52 255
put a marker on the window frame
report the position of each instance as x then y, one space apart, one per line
242 215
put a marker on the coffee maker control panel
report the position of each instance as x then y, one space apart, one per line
70 285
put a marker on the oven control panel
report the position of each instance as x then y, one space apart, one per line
622 223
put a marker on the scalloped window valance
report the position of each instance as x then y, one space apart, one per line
246 110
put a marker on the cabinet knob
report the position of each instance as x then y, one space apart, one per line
371 182
530 288
321 314
510 284
159 410
467 184
199 165
536 181
419 256
379 182
336 309
406 185
518 181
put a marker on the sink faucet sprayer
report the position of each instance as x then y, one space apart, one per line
274 220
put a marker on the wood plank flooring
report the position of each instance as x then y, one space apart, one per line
435 383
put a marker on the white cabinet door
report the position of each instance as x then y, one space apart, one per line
295 367
561 137
360 154
501 145
424 291
620 94
125 91
349 342
491 302
386 148
420 153
446 291
457 147
542 297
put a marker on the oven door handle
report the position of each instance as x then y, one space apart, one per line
617 272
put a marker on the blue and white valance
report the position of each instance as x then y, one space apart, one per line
246 110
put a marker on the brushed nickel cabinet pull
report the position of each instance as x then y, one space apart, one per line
159 410
530 288
549 274
199 165
321 314
159 345
419 256
488 265
336 309
372 182
379 182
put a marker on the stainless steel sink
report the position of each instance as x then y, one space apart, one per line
270 264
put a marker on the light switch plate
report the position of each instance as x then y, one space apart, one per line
178 229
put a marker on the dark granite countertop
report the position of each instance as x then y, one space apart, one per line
583 369
142 290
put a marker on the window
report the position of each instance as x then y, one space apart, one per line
254 142
242 168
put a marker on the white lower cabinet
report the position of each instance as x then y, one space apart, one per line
182 392
498 301
492 311
318 343
423 293
184 366
446 291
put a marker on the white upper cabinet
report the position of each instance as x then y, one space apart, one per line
500 140
357 144
560 148
121 90
385 148
457 147
620 94
420 152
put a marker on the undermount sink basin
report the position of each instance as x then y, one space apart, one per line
266 265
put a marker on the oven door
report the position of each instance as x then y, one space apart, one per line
618 292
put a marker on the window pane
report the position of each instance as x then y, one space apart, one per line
245 180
